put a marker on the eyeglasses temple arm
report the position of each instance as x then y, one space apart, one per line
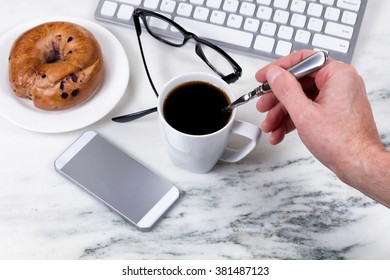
139 31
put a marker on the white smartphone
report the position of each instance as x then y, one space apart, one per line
139 195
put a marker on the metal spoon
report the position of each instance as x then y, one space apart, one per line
134 116
306 66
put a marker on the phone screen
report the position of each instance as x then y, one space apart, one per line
114 177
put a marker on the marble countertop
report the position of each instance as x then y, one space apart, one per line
277 203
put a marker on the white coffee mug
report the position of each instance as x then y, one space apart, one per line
200 153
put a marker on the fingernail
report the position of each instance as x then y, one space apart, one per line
264 127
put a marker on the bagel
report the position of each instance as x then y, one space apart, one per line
57 65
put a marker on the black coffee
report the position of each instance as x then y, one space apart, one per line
196 108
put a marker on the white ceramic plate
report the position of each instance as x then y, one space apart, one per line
22 112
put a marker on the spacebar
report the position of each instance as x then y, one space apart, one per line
215 32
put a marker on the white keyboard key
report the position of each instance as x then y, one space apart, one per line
234 21
214 4
349 17
168 6
109 8
218 17
330 43
340 30
264 2
251 24
315 24
285 32
201 13
184 9
327 2
298 20
315 9
353 5
283 48
231 5
281 16
298 6
247 9
125 12
282 4
332 13
265 44
132 2
197 2
264 13
302 36
151 4
220 33
268 28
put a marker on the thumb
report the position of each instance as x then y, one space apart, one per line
288 91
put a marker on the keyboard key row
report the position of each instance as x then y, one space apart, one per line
298 6
247 8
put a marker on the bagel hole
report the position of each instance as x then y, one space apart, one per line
53 55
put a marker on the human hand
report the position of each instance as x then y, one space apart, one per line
329 108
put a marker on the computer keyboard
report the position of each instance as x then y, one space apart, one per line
264 28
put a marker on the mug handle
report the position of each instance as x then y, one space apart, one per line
246 130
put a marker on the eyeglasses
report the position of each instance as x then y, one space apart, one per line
171 33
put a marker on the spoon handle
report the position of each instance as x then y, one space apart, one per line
306 66
134 116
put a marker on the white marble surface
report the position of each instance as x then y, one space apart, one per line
278 203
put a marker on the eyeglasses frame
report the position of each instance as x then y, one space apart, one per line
140 13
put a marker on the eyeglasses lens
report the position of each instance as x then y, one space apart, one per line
215 59
164 30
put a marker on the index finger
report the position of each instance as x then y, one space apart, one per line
284 62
